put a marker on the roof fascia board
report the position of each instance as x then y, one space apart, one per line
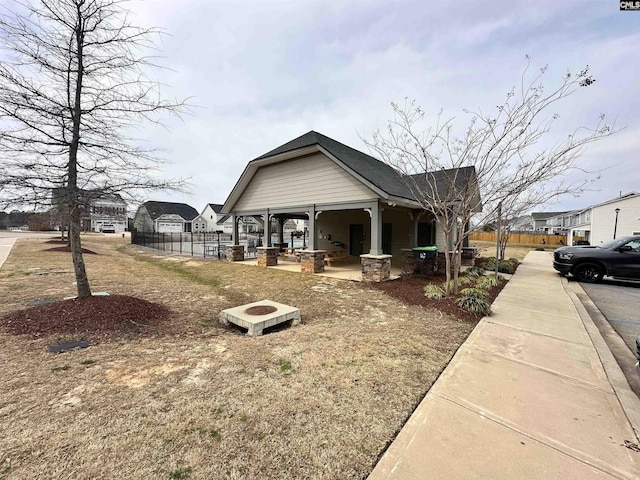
317 206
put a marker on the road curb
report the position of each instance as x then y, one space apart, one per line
598 327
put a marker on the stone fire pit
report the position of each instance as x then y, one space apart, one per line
257 316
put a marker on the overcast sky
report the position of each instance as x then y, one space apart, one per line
264 72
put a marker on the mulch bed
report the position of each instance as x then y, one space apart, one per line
410 290
91 315
68 250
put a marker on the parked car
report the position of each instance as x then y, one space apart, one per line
617 258
638 353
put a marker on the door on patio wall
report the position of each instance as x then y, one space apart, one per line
356 239
426 234
386 238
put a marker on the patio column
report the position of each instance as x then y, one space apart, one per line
415 217
235 238
311 244
281 222
267 229
376 230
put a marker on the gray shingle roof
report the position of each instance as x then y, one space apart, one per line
216 207
373 170
378 173
156 209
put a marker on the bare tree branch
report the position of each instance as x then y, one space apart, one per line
73 85
498 145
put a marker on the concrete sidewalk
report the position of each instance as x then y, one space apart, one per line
6 244
529 395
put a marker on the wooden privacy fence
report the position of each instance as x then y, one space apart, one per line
524 238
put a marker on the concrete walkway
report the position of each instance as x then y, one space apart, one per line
6 244
531 394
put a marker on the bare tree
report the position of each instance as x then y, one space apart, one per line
498 147
73 88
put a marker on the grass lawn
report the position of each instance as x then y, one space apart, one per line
203 401
513 250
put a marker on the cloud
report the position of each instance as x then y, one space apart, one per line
265 72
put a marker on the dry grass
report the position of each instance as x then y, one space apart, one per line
513 250
320 400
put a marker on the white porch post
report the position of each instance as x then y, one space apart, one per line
235 238
267 229
311 244
376 229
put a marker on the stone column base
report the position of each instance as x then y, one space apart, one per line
234 253
375 268
267 256
312 261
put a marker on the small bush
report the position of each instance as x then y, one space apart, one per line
474 292
475 305
465 280
434 292
475 271
488 282
505 266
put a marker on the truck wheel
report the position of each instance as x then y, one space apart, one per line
588 273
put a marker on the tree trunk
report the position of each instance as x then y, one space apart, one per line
82 282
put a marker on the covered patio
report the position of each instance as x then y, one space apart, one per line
349 270
359 211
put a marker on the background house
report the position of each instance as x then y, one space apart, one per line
164 217
544 221
100 212
598 223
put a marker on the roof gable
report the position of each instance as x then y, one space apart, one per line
377 173
156 209
373 173
216 207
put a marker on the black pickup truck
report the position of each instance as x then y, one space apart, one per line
618 258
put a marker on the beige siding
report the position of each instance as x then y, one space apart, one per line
313 179
336 225
401 231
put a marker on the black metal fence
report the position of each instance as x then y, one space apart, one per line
207 245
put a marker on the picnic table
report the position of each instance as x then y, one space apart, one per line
334 255
290 252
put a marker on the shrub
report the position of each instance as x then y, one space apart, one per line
475 271
505 266
465 280
434 292
475 305
488 282
474 292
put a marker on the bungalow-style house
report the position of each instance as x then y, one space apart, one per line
164 217
352 202
599 223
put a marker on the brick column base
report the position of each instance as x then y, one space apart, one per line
234 253
409 262
267 256
376 268
312 261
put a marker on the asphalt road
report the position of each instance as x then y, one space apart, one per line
619 302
